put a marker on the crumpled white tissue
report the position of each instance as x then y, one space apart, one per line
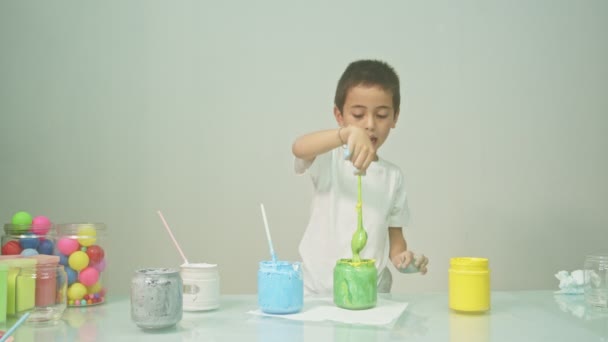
571 283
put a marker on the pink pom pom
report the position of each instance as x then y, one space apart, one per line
67 246
100 266
41 225
88 276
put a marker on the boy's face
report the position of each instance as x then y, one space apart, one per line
370 108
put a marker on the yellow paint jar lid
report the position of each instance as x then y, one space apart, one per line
469 264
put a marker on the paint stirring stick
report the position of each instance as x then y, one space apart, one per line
10 331
274 256
172 237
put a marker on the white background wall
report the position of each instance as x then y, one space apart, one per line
112 110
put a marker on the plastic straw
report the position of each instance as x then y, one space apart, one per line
10 331
274 257
172 238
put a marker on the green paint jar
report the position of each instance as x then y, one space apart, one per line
355 284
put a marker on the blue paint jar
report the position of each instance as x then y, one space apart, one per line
280 287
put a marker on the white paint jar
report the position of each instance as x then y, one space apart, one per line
201 286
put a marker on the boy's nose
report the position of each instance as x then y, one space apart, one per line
371 122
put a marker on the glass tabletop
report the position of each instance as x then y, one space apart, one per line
514 316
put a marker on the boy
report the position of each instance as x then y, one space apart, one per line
366 109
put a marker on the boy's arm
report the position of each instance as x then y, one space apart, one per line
399 254
362 152
309 146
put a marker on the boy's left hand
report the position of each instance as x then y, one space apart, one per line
403 260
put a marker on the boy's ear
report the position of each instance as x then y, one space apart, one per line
396 117
339 117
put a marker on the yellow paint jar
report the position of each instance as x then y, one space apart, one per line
469 284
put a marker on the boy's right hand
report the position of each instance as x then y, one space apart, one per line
361 150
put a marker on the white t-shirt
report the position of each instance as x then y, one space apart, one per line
333 216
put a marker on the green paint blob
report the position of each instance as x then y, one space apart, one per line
359 239
355 284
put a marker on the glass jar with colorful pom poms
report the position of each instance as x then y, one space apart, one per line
81 249
27 235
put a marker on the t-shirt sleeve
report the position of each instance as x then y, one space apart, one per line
301 165
400 212
318 168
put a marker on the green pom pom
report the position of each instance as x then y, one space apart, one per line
21 221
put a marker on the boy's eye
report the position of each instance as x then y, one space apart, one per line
383 114
358 115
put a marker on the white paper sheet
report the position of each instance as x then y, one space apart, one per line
323 309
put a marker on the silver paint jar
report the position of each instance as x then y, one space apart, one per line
156 298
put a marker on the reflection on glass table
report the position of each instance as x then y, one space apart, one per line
514 316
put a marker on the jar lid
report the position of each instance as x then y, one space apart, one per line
156 271
469 262
19 262
598 256
46 259
198 265
82 227
19 229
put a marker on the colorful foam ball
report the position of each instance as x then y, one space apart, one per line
100 266
67 246
29 252
87 236
78 260
76 291
22 218
41 225
21 221
12 248
63 259
46 247
94 289
95 253
29 242
72 275
88 276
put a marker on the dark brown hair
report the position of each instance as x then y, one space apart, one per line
368 73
